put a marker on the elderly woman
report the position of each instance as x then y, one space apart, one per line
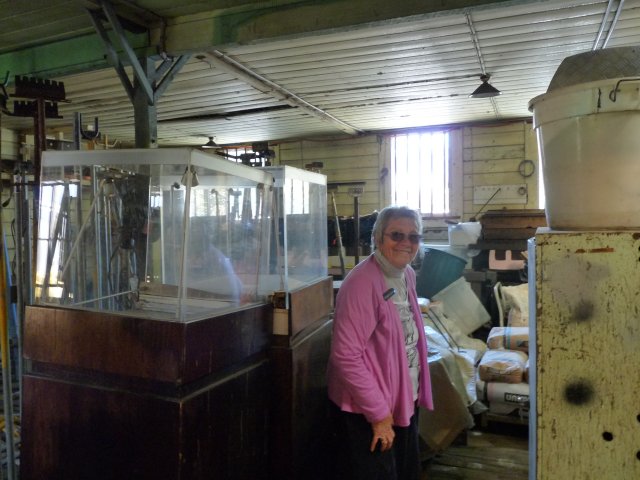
378 372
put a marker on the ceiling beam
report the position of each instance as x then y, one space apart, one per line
270 20
239 71
66 57
219 27
149 82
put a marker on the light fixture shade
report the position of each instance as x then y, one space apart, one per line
210 144
485 90
190 177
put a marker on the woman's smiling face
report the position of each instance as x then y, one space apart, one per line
399 253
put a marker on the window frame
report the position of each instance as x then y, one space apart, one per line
455 181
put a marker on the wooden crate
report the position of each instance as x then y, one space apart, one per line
511 224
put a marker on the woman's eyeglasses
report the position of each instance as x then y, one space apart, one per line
399 237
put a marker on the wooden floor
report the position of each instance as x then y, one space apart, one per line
495 452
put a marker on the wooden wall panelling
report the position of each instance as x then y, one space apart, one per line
345 159
9 152
9 144
492 156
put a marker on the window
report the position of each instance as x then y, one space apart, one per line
420 172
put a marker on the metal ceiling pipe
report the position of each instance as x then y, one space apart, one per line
613 24
239 71
476 44
604 22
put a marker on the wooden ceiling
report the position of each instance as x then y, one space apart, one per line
277 70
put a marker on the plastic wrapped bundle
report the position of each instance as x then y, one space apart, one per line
510 338
502 366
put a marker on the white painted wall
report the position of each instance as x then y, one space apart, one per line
9 150
492 156
344 159
480 156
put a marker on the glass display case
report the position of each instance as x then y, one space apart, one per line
175 234
298 245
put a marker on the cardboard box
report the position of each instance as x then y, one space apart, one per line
450 416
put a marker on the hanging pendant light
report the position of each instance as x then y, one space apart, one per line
486 90
210 144
190 177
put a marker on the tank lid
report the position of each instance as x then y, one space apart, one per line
597 65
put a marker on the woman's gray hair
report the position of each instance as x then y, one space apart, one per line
391 213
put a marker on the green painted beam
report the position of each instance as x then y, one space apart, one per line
76 55
277 19
228 25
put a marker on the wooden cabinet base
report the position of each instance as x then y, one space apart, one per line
193 406
77 431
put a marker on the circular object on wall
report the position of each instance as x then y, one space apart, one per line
526 168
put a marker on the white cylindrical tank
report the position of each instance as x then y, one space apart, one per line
588 130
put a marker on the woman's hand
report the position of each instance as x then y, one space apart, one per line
383 433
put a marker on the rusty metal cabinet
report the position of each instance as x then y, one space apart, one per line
585 370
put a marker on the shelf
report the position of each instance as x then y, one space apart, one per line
520 245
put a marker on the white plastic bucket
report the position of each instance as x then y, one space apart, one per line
589 144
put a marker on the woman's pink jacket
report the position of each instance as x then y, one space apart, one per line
368 371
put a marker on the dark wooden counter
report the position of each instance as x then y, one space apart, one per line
109 396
